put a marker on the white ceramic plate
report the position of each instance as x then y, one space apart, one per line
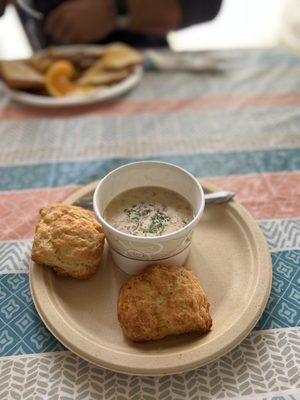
109 93
229 256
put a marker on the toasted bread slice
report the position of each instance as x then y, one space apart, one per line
81 59
19 75
40 62
69 54
120 56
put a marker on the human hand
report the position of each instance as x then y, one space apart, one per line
81 21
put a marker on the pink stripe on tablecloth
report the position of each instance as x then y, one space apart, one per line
154 106
266 196
19 211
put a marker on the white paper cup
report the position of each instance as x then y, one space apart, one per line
133 253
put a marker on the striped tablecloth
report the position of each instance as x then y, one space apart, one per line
240 129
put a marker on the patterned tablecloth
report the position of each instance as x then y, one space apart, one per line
238 128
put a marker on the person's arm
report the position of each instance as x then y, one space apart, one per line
84 21
153 17
81 21
2 6
159 17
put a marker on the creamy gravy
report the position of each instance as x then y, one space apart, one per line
148 211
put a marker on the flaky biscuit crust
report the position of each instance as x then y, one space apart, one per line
162 301
68 239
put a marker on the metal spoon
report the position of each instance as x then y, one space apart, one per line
218 197
210 198
180 61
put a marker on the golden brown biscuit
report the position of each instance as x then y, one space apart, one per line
68 239
162 301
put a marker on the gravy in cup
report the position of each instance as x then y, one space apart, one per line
148 211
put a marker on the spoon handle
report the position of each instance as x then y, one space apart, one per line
218 197
211 198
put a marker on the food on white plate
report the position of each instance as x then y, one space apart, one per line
60 72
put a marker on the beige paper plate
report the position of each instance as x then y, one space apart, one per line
229 256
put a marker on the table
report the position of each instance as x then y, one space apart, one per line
239 129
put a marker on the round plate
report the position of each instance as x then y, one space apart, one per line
108 93
230 257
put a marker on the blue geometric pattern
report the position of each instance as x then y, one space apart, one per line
22 331
283 308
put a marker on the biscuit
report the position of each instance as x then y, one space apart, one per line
68 239
162 301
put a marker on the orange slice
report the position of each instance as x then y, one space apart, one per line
59 80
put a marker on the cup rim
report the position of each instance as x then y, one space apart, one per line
168 236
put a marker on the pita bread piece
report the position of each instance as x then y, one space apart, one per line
119 56
40 62
97 75
81 59
19 75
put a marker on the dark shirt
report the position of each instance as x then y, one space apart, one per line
193 12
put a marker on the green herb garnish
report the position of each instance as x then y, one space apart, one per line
158 222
